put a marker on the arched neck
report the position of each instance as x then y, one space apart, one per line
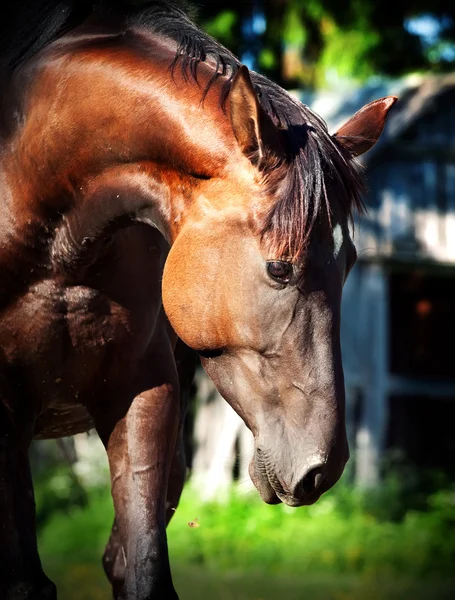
100 139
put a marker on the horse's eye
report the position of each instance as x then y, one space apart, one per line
280 271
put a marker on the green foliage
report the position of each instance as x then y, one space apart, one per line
339 534
80 533
344 53
346 531
312 42
222 26
294 32
57 490
350 545
267 59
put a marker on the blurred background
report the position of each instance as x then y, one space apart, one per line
387 530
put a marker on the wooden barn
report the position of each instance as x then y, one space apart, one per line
399 302
398 317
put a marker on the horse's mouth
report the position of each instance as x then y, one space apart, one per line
274 496
258 474
296 502
269 496
270 488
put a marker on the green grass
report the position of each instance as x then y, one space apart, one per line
328 537
201 585
86 581
338 549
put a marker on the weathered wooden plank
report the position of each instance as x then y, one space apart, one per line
407 386
373 326
449 221
415 213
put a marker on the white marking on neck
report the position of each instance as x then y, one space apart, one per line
338 240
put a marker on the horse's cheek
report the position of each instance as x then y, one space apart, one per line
187 301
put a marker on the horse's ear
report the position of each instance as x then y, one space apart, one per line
362 131
254 130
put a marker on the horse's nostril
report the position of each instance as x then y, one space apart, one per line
312 480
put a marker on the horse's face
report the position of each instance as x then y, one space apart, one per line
268 334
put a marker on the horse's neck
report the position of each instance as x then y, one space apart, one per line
103 137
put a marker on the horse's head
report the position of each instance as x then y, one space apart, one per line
253 282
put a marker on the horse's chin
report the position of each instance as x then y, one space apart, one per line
296 502
262 483
270 495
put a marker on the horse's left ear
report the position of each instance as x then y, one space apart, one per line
362 131
254 130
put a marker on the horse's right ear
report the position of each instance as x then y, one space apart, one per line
254 130
362 131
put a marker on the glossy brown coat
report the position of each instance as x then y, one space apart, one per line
111 159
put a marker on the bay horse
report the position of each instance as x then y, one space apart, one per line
153 189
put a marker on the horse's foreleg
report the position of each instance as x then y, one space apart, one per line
21 575
114 556
114 563
186 361
140 449
176 479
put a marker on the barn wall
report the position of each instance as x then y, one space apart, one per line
411 197
364 331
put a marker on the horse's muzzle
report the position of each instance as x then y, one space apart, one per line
305 491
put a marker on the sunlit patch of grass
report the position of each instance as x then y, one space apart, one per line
337 549
246 534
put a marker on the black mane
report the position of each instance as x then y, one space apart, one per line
317 163
28 26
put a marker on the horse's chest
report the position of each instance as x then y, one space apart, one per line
62 340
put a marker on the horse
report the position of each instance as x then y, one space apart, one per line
153 189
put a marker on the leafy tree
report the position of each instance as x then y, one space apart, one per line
310 42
